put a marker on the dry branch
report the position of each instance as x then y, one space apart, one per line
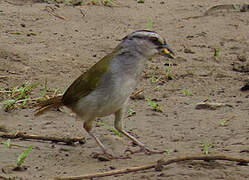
52 12
157 165
66 140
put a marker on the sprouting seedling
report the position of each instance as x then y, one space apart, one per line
149 24
216 52
156 106
155 79
68 1
209 99
206 147
23 156
8 143
140 1
19 95
108 3
9 104
115 131
169 151
131 112
187 92
225 121
157 88
45 88
168 71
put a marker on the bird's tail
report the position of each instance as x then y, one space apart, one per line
54 102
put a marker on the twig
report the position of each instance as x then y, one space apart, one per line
4 177
236 7
136 94
2 77
82 12
66 140
156 165
51 10
35 99
5 91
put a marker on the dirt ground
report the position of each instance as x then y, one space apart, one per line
58 42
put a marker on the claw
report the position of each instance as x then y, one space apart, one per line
145 150
107 156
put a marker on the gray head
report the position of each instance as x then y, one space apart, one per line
147 43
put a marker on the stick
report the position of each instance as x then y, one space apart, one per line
66 140
157 165
4 177
2 77
134 95
52 12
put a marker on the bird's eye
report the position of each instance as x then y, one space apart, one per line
156 41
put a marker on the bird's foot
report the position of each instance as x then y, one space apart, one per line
105 156
145 150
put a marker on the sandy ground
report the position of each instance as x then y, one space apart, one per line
37 44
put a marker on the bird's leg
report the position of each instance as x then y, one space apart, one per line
88 127
119 126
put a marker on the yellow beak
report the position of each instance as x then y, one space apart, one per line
169 53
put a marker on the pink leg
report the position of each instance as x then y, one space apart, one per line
119 126
88 126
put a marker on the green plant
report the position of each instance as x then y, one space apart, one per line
108 3
131 112
157 88
187 92
8 143
223 123
169 152
45 88
19 95
110 128
68 1
168 71
206 147
154 78
140 1
149 24
156 106
23 156
216 52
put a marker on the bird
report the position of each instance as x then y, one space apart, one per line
105 88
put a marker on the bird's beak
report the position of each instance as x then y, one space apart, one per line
166 51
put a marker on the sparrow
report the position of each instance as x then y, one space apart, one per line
105 88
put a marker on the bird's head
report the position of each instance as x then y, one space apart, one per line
148 43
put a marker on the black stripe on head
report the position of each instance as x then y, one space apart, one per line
154 37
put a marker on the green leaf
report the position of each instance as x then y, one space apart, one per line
149 25
217 52
169 151
8 143
131 112
23 156
187 93
156 106
9 104
206 147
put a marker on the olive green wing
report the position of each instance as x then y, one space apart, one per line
88 81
